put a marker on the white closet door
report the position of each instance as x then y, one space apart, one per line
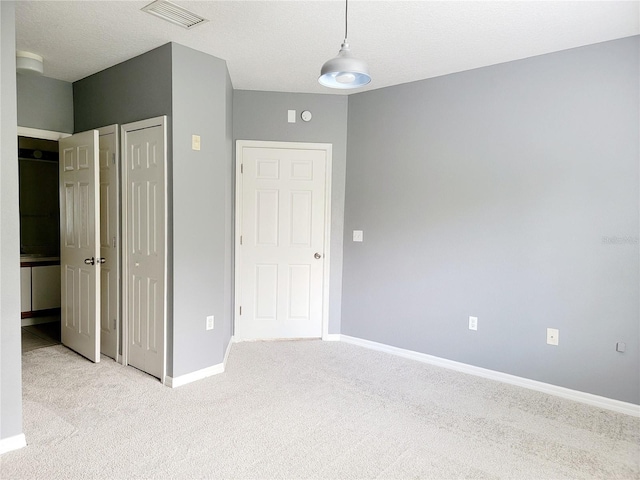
109 241
144 190
79 249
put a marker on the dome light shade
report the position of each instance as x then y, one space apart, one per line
29 63
344 71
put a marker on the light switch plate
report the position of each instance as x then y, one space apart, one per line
552 336
358 236
195 142
291 115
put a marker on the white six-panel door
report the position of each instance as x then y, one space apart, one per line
144 257
283 240
109 241
79 249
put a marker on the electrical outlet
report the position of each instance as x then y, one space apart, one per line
552 336
358 236
210 322
621 347
473 323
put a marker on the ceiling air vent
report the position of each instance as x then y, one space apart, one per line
174 14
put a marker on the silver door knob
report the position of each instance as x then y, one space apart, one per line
90 261
317 256
102 260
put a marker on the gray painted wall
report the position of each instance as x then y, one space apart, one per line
194 90
45 103
263 116
137 89
201 210
497 193
10 355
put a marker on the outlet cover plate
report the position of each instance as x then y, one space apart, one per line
210 322
473 323
552 336
358 236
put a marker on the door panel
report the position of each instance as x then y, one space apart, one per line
79 215
283 227
109 241
299 292
146 246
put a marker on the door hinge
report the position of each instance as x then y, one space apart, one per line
113 158
114 242
240 310
242 168
240 239
114 324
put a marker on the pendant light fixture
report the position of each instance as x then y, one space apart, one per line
344 71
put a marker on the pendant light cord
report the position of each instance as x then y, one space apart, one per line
346 20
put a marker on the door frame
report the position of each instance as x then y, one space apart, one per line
41 134
57 136
124 285
326 260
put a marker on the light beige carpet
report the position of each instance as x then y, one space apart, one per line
307 409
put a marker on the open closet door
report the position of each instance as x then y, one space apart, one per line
79 249
109 241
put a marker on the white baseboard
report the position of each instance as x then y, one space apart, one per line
226 353
12 443
194 376
200 374
331 337
582 397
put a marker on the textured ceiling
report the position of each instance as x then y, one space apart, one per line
281 45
